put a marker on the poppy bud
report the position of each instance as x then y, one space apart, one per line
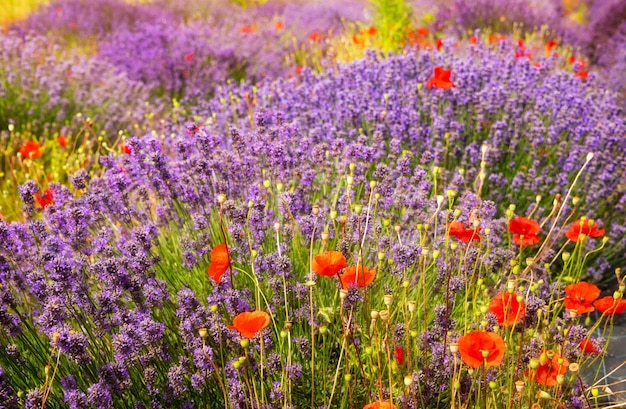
203 333
277 227
372 184
413 334
381 256
440 199
358 208
349 180
589 156
565 256
280 186
214 308
333 214
534 362
397 228
493 385
595 392
543 395
236 364
347 377
454 245
323 329
408 381
221 198
244 343
405 284
456 213
283 334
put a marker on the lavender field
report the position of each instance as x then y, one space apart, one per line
273 204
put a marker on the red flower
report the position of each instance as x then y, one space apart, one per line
126 149
315 36
587 346
31 150
399 353
247 29
525 231
610 306
62 141
473 40
279 25
371 31
586 227
250 323
220 261
440 79
506 307
329 263
189 57
580 296
547 372
439 43
422 31
380 405
480 347
549 46
582 74
349 277
458 230
44 199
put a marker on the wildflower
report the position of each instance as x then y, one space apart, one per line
458 230
44 199
247 29
329 263
546 373
62 141
220 261
279 25
507 308
250 323
525 231
610 306
315 36
31 150
587 346
189 57
586 227
473 40
371 31
126 149
349 277
582 74
399 354
480 347
380 405
440 79
549 46
580 296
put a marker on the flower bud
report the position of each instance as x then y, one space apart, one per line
280 186
347 377
358 208
408 381
221 198
440 199
203 332
250 204
333 214
534 363
325 235
372 184
244 343
349 180
543 395
456 213
213 308
493 385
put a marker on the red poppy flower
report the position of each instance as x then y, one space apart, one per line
126 149
31 150
439 43
582 74
580 296
525 231
508 310
380 405
315 36
440 79
279 25
399 353
44 199
550 45
610 306
189 57
250 323
475 345
473 40
586 227
220 261
329 263
587 346
247 29
349 277
547 372
371 31
358 40
62 141
458 230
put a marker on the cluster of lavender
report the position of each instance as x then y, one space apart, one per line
106 290
183 51
538 121
42 85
